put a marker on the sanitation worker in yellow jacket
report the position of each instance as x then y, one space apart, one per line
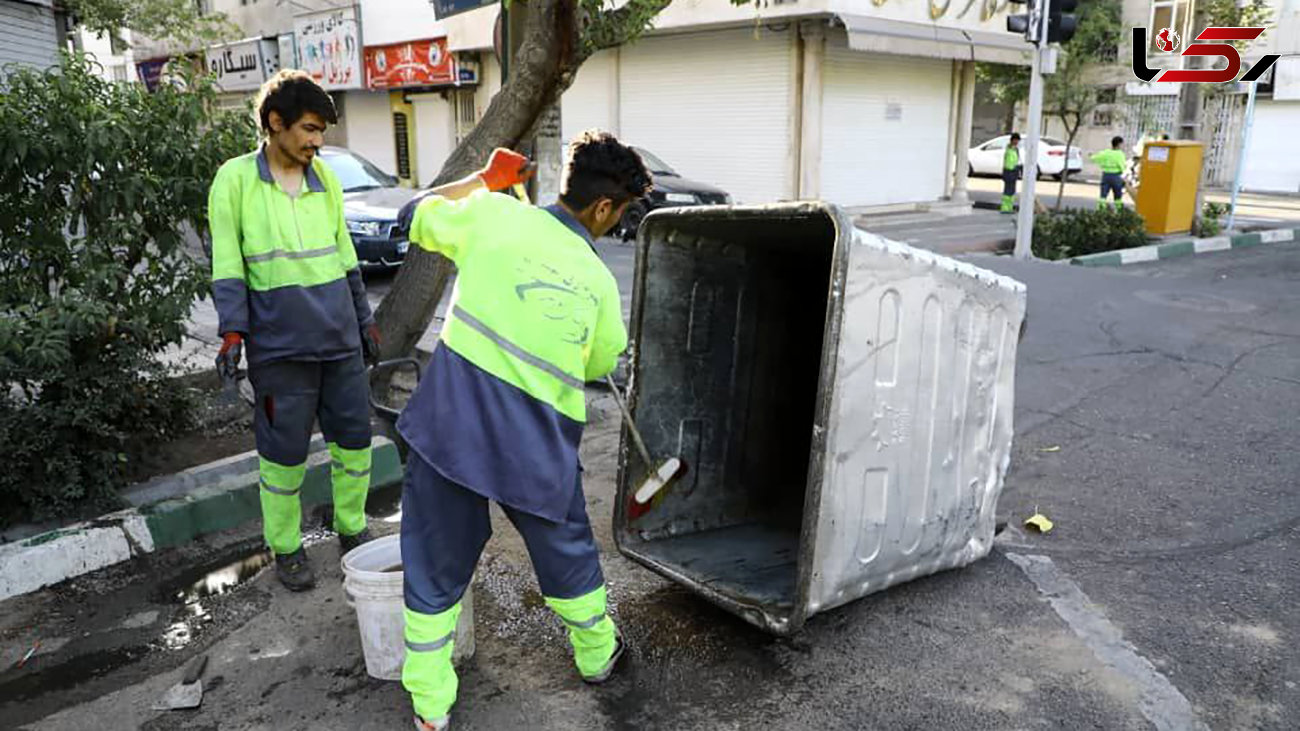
500 411
288 290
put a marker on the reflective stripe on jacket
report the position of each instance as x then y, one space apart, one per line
535 314
284 271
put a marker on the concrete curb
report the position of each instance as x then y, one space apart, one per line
169 513
1156 252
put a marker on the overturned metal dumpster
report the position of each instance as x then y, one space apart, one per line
842 403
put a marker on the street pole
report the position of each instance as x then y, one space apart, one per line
1025 218
1241 155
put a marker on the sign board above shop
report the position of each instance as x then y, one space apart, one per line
242 65
329 48
443 9
415 63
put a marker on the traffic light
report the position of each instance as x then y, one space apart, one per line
1060 22
1028 22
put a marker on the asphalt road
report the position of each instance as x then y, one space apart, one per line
1156 419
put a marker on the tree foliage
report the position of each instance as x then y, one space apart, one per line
98 182
180 20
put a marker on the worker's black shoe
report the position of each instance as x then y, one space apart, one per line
294 570
347 543
608 670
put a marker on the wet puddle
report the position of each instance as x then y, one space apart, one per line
223 579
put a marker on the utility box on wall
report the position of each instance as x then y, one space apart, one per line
1170 177
842 404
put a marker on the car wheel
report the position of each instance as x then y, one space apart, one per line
970 170
631 222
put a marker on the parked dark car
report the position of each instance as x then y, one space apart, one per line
670 190
371 200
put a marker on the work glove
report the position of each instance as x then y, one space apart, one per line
371 341
506 168
232 348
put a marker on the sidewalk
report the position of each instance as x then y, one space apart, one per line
1253 209
945 234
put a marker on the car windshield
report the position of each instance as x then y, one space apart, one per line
1053 142
357 173
654 164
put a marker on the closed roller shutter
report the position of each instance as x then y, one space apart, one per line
717 106
885 127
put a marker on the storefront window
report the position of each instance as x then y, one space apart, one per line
1173 14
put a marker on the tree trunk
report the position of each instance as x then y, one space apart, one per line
544 66
557 38
1070 133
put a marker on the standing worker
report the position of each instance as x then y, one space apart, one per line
1112 164
500 411
287 285
1010 173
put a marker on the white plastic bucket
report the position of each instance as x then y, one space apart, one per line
376 594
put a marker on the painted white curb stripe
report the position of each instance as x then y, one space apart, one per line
1140 254
26 566
1276 235
1218 243
1163 705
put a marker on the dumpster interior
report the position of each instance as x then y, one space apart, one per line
728 362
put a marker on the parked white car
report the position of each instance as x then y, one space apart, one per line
986 159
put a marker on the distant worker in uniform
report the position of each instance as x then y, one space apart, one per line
500 412
1010 173
1112 164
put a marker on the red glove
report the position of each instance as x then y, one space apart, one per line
228 357
504 169
371 341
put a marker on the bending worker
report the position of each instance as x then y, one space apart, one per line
1112 164
500 411
286 284
1010 173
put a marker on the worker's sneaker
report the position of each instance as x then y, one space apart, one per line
608 670
437 724
347 543
294 570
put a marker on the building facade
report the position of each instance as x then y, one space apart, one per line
861 104
1214 114
31 33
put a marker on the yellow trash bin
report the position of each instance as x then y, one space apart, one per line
1171 173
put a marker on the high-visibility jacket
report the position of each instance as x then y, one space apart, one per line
1110 161
534 315
1011 158
284 272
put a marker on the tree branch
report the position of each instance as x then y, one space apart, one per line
612 28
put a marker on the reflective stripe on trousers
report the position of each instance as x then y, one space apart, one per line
281 505
427 673
350 479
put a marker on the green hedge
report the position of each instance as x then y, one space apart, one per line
1076 232
98 183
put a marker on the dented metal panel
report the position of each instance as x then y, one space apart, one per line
921 419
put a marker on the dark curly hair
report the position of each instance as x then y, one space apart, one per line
602 167
293 93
